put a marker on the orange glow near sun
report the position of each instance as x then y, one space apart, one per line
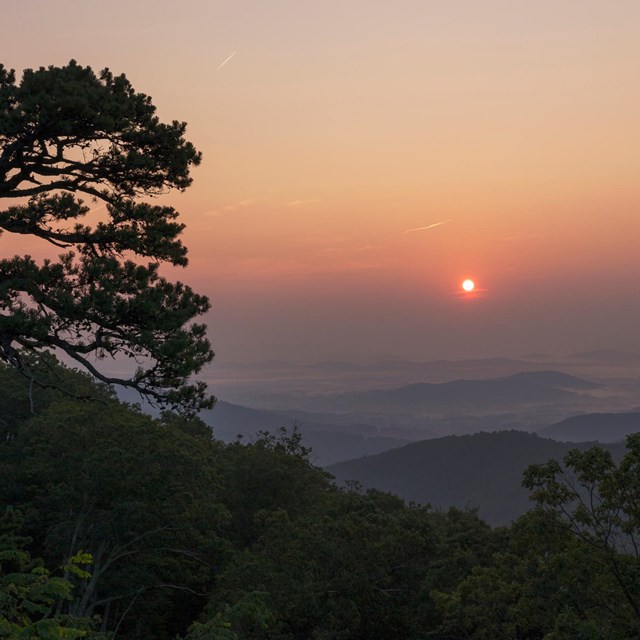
468 285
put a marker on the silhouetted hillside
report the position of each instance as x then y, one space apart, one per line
603 427
330 442
519 389
230 420
553 379
610 356
483 470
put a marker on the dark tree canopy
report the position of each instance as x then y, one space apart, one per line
76 145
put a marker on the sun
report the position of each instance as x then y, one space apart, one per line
468 285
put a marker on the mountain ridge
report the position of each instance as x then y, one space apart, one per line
482 470
505 391
601 427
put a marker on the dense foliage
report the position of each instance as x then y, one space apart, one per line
68 134
118 525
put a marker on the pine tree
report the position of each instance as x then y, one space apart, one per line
78 152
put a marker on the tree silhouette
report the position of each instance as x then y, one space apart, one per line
68 133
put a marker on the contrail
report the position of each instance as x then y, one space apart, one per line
225 62
429 226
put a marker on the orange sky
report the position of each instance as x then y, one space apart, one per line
337 127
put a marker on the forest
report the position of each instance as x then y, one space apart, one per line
118 525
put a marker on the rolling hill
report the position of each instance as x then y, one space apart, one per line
602 427
483 470
329 441
535 387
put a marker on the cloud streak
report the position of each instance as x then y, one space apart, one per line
225 61
230 207
429 226
297 203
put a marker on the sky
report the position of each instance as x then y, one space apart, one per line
362 158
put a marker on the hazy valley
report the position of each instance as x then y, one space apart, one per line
444 433
411 401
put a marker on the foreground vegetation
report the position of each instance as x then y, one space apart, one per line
117 525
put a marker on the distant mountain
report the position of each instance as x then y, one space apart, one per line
603 427
537 387
536 355
229 420
274 385
483 470
553 379
330 442
329 447
608 356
